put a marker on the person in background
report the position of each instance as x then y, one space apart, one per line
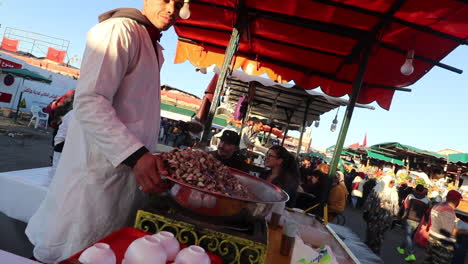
367 188
380 209
163 129
356 192
228 151
315 184
305 167
415 206
63 104
107 155
284 171
249 136
441 240
461 234
337 197
59 143
349 178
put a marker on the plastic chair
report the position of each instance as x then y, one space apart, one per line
37 116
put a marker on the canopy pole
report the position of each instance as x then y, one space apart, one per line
348 115
304 121
288 116
285 133
228 57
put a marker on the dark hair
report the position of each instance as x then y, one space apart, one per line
289 166
419 188
306 158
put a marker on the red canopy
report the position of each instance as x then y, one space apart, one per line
319 42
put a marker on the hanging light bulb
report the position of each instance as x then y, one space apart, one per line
334 122
184 12
407 67
317 122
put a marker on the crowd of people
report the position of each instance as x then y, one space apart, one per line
388 197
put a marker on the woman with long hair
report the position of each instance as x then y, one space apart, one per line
284 171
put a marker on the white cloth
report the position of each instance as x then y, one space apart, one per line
117 111
22 191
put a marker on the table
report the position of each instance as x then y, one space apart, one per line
22 191
7 257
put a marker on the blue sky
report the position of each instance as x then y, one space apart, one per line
433 116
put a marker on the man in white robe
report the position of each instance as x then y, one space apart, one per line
116 123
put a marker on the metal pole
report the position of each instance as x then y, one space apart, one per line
346 121
230 51
349 110
284 135
304 121
18 106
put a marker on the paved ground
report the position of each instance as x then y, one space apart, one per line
22 147
26 148
393 238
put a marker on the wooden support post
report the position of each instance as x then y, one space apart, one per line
304 123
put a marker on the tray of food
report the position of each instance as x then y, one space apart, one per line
204 184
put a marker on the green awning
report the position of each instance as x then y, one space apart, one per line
27 74
314 155
458 158
219 120
407 148
383 157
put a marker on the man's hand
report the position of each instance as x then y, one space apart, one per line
147 173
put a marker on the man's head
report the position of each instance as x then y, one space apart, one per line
257 126
306 161
454 197
229 143
419 189
162 13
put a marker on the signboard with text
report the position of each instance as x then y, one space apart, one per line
9 64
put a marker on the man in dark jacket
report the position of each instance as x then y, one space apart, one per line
228 151
415 206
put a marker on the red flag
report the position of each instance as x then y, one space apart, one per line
364 142
355 145
10 44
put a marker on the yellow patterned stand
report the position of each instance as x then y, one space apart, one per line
232 249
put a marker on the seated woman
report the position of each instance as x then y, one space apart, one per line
315 185
284 171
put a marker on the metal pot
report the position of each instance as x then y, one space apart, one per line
265 195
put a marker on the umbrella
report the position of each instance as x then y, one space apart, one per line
27 74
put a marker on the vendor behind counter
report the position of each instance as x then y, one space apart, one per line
228 151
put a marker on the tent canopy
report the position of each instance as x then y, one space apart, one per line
458 158
395 147
319 42
27 74
284 104
381 156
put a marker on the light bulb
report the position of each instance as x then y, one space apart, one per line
185 10
407 68
334 122
317 123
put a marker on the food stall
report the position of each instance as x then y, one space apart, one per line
351 48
